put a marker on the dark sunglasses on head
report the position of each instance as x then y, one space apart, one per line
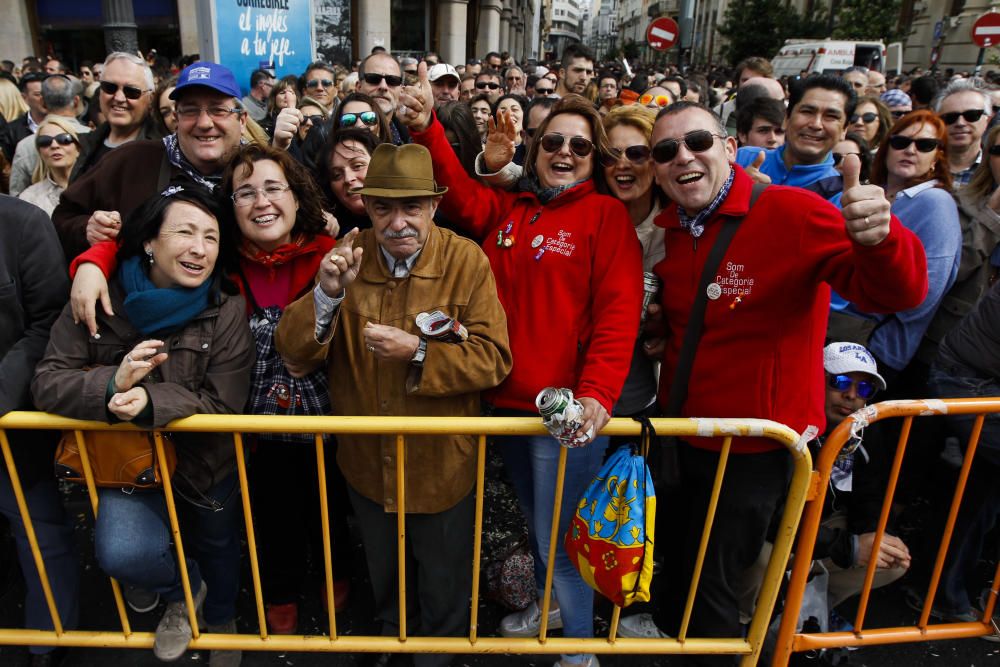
369 118
316 83
542 92
391 80
866 118
63 139
130 92
970 116
839 157
697 141
554 141
864 388
637 154
901 143
492 85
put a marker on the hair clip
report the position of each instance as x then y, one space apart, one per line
172 190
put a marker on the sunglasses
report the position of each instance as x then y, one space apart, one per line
554 141
637 154
864 389
130 92
994 150
542 92
970 116
487 84
839 157
901 143
865 118
697 141
899 113
391 80
660 100
369 118
63 139
530 131
316 83
315 120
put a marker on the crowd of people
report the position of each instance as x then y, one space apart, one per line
816 241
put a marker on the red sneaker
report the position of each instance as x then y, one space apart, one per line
283 619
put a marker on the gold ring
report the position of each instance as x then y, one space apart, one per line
371 348
868 223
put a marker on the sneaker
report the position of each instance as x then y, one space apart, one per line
592 662
640 626
218 658
526 623
283 619
915 601
139 599
173 634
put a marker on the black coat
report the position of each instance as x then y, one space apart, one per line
34 287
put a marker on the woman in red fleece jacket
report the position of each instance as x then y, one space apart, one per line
569 275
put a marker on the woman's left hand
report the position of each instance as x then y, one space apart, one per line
595 417
138 363
127 405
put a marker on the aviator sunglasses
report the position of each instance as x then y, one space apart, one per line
901 143
863 388
637 154
554 141
697 141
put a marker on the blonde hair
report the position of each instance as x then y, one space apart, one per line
12 105
254 133
42 170
632 115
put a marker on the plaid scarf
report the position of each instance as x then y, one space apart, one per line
177 159
696 224
545 195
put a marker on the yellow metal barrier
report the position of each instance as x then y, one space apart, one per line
788 641
748 647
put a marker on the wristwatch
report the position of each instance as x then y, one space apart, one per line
418 356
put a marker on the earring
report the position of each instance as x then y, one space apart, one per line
149 255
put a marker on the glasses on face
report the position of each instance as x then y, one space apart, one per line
970 116
317 83
869 117
391 80
530 131
492 85
994 150
901 143
697 141
839 157
369 118
63 139
314 120
660 100
542 92
899 113
863 388
246 196
637 154
553 141
130 92
215 113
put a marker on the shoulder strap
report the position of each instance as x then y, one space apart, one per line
165 174
692 334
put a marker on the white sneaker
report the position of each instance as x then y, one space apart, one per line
640 626
526 623
590 663
173 634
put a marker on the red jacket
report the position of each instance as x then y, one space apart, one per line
761 355
573 311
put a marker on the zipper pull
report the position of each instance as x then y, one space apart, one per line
535 217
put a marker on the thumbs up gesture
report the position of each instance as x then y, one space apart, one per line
864 207
416 102
753 171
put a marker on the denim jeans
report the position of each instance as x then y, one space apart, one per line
531 462
133 544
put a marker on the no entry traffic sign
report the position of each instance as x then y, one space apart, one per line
986 30
662 33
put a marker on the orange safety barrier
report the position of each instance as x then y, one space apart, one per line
789 641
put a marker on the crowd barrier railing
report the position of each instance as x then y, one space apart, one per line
747 647
789 641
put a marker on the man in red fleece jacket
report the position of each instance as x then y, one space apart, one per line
760 352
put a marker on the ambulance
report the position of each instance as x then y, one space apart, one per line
829 56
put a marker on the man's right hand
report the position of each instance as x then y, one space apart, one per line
286 125
892 552
416 103
103 226
340 267
753 171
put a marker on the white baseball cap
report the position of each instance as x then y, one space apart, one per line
844 357
442 70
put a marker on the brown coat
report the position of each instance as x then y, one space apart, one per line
452 275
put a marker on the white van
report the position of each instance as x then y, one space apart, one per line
830 56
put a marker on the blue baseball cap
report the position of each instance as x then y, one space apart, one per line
210 75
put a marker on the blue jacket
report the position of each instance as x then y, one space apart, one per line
801 175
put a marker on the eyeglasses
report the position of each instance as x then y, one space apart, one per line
865 118
63 139
994 150
316 83
391 80
970 116
215 113
247 196
839 157
369 118
637 154
130 92
542 92
901 143
530 131
314 120
863 388
697 141
411 72
660 100
554 141
492 85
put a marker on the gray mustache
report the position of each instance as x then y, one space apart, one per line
407 233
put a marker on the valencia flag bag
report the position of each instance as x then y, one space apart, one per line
610 538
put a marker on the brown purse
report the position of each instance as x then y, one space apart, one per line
118 459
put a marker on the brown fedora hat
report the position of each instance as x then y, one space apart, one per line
400 171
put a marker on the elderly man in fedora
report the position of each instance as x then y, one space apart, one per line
383 298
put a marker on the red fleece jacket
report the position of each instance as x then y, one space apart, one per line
761 350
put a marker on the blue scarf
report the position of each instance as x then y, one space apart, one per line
151 309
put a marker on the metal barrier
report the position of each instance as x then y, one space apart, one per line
789 641
748 647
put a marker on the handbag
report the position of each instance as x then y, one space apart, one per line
610 538
118 459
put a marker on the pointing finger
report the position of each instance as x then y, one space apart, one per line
759 160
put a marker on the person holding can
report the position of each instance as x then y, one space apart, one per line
568 268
